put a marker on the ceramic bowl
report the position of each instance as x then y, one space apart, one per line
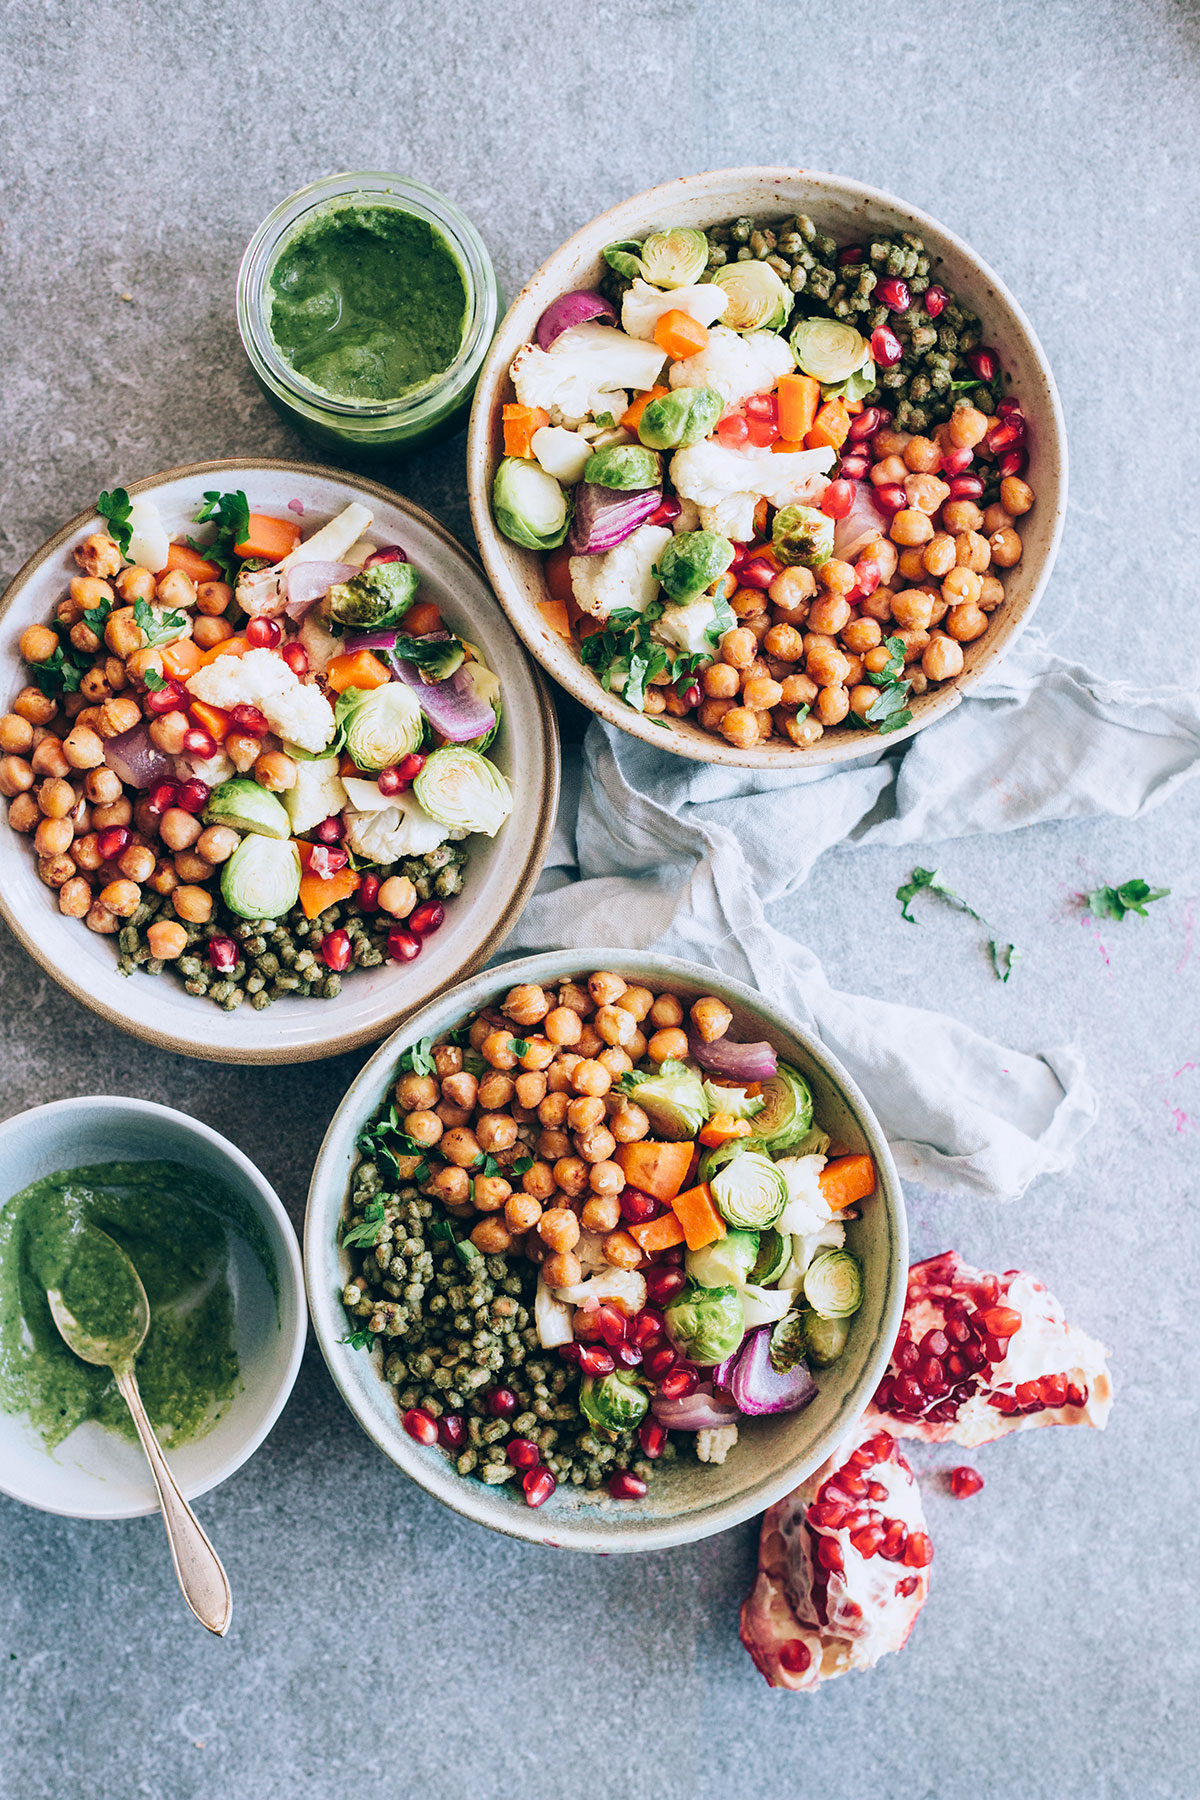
94 1474
502 871
848 211
687 1499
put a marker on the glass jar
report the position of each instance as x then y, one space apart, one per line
427 413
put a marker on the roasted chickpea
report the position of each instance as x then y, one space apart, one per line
17 775
910 527
74 897
552 1111
719 681
922 454
615 1025
991 593
939 555
833 703
168 731
84 638
416 1093
740 726
193 904
495 1131
666 1043
425 1128
804 732
56 871
98 555
591 1077
137 862
971 551
102 786
1005 547
490 1192
913 609
711 1017
217 843
1016 496
563 1025
562 1269
241 749
276 771
135 583
620 1250
495 1091
56 798
23 813
739 647
460 1089
16 735
87 851
539 1181
967 427
397 896
177 589
943 658
791 590
862 699
666 1010
94 687
711 712
119 813
522 1212
34 706
452 1185
526 1005
207 633
122 898
961 515
143 662
166 939
558 1228
54 837
99 919
602 1212
824 662
492 1238
629 1124
798 690
212 598
48 757
461 1147
164 879
890 470
585 1112
37 643
966 622
497 1049
178 829
447 1059
572 1175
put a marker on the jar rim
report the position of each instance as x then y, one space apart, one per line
375 187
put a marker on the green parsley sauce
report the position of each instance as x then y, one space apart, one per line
367 303
178 1230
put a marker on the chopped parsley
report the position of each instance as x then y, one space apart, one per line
417 1060
114 509
1003 954
373 1143
231 513
1131 896
366 1235
466 1252
628 660
360 1339
96 617
519 1046
155 683
63 672
890 711
522 1165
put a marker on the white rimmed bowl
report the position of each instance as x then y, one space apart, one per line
847 210
501 873
687 1500
93 1474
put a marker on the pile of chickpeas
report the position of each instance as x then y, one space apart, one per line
97 845
810 638
548 1097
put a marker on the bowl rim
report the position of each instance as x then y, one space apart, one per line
336 1044
570 673
292 1273
326 1195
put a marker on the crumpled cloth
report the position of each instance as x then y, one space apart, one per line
652 850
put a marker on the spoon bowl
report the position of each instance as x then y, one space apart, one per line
88 1337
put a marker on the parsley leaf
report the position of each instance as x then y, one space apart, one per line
365 1235
519 1046
64 671
231 513
154 682
894 665
95 617
466 1252
889 711
1003 954
1003 957
114 508
522 1165
1131 896
417 1059
360 1339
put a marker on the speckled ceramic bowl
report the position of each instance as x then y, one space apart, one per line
93 1474
687 1499
501 873
848 211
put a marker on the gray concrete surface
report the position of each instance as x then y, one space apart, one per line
382 1647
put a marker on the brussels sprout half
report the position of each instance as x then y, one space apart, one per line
675 258
691 562
463 790
616 1402
727 1263
802 535
382 725
785 1117
706 1324
758 299
750 1191
833 1284
261 880
628 467
378 596
528 505
248 808
678 419
828 349
673 1100
733 1100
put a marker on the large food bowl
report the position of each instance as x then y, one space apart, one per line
687 1499
848 211
501 873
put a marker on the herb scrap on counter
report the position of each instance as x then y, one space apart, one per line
1003 954
1115 902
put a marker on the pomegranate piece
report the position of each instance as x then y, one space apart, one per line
1015 1361
733 431
538 1484
668 509
192 795
935 301
421 1425
837 500
368 893
894 294
965 1481
984 363
523 1453
652 1437
223 954
330 830
626 1486
263 634
296 658
402 946
827 1599
336 950
757 572
250 720
426 918
113 841
886 348
452 1431
501 1403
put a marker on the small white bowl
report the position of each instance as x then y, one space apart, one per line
687 1499
849 211
502 870
93 1474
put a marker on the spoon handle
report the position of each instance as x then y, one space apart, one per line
204 1582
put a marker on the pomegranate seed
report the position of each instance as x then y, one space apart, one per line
652 1437
523 1453
956 462
368 893
837 499
1076 1396
881 1446
877 1490
891 497
853 468
733 431
660 1362
886 347
410 766
385 554
501 1403
326 860
851 253
612 1323
740 553
1001 1321
966 487
624 1485
957 1331
865 425
669 508
596 1361
934 1343
250 720
918 1552
113 841
1014 462
795 1656
829 1555
171 698
867 576
853 1483
934 300
421 1425
452 1431
762 406
587 1327
569 1352
673 1255
1026 1393
222 954
868 1540
538 1484
908 1394
895 1537
402 946
757 572
1003 437
296 658
647 1326
691 696
336 950
965 1481
427 917
192 795
893 293
987 1291
199 743
932 1376
1009 407
908 1586
943 1412
662 1284
263 634
830 1513
907 1356
984 363
163 796
390 781
628 1355
330 831
762 432
678 1383
955 1365
637 1208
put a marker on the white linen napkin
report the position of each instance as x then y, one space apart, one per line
654 850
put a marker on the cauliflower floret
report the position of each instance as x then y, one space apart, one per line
625 1286
736 366
319 643
574 378
561 453
402 829
725 483
687 518
148 541
807 1209
687 626
211 770
318 793
551 1317
298 714
714 1444
622 577
733 517
643 305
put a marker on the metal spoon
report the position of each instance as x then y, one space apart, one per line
204 1582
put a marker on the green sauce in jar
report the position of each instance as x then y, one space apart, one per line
367 302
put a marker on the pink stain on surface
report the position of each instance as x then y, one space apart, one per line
1182 1070
1182 1122
296 506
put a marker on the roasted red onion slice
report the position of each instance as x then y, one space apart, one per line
759 1387
605 517
138 761
701 1411
571 309
308 581
741 1062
